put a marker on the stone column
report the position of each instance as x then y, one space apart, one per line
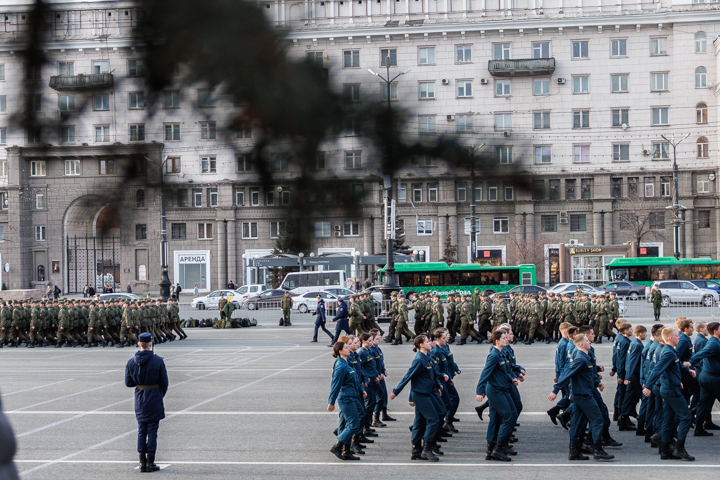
378 234
608 228
221 273
597 228
232 256
689 237
530 227
442 232
454 232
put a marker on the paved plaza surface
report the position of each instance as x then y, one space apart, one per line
251 403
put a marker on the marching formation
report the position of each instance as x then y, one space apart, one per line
88 323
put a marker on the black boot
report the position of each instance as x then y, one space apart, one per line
151 467
564 418
616 415
666 452
553 413
575 453
681 452
489 450
449 426
508 449
600 454
416 453
461 342
347 453
386 417
709 425
627 424
608 441
655 440
364 439
337 449
143 463
436 449
481 408
640 432
376 421
356 447
701 432
428 454
499 453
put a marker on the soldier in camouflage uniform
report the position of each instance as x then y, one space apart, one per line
438 317
484 314
614 309
5 324
467 319
537 322
127 327
175 319
569 314
94 327
402 323
356 316
392 313
65 328
418 306
451 306
500 313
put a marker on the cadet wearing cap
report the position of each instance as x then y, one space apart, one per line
146 372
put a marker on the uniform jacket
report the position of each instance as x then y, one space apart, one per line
146 368
620 352
700 342
709 356
345 382
421 376
667 369
320 313
561 359
579 375
495 373
633 361
684 348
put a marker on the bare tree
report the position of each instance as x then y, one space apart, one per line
527 251
641 220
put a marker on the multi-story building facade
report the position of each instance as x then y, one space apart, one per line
575 97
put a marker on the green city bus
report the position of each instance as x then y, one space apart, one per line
646 270
463 278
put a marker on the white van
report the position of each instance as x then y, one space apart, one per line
247 291
303 282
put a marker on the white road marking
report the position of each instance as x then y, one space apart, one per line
68 395
35 388
249 413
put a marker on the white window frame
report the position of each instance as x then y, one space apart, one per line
240 197
208 131
618 48
620 113
493 191
701 77
660 151
665 190
649 187
393 91
700 42
504 154
320 229
249 230
136 100
581 153
501 225
353 159
427 123
503 121
660 116
463 88
38 168
503 88
544 84
102 133
658 46
426 56
254 196
581 84
101 66
621 152
276 228
427 90
424 227
538 49
138 131
3 135
204 231
461 192
101 102
206 98
580 49
72 167
703 184
540 154
542 117
619 83
467 224
581 119
351 228
501 51
208 164
213 197
465 123
659 81
354 58
39 200
433 192
40 233
463 53
174 130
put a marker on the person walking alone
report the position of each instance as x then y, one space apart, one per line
320 319
146 372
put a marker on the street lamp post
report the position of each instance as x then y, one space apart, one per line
676 196
390 283
164 279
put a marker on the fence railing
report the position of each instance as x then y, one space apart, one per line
642 309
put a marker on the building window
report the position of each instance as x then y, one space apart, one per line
616 187
463 53
581 119
541 50
243 131
136 100
581 153
464 88
569 189
501 225
171 99
140 231
276 228
401 193
492 191
658 46
541 86
40 200
586 188
101 66
620 117
424 226
427 90
508 193
208 165
102 101
353 159
465 123
66 68
543 154
393 91
205 231
664 186
4 201
426 55
619 83
102 133
502 88
351 59
72 167
67 135
244 164
351 228
468 225
632 186
703 218
538 190
322 229
172 131
39 233
178 231
320 161
351 93
478 192
206 98
140 198
621 152
541 120
254 197
269 198
182 197
33 103
501 51
581 85
207 131
618 48
660 116
240 197
107 167
703 184
212 197
37 168
701 112
701 77
703 150
172 165
137 133
417 192
504 154
503 121
461 192
658 82
197 197
555 189
656 220
660 151
649 187
432 192
249 230
700 42
427 123
580 49
135 68
548 223
388 52
3 136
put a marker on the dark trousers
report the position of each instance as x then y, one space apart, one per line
341 325
675 407
383 389
619 397
564 403
633 392
147 436
691 388
503 415
454 400
709 392
658 421
603 408
585 409
515 396
351 413
425 416
318 326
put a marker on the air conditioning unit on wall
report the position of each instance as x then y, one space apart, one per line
563 221
338 234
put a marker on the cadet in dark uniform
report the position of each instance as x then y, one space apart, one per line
146 372
341 317
320 320
709 356
347 390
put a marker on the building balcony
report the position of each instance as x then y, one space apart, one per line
530 67
79 83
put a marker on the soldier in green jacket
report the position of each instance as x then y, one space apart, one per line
484 314
5 325
392 313
356 316
657 300
94 327
500 312
467 320
65 328
402 323
537 322
438 314
418 306
286 304
451 317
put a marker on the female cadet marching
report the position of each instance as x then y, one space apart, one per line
423 383
494 382
346 390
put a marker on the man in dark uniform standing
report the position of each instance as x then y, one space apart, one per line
146 372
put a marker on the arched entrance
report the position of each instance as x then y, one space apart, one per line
91 228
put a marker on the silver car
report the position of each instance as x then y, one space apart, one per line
681 291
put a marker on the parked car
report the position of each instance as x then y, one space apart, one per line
683 291
335 290
532 289
267 299
625 289
711 284
570 289
247 291
374 292
307 302
106 297
210 302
